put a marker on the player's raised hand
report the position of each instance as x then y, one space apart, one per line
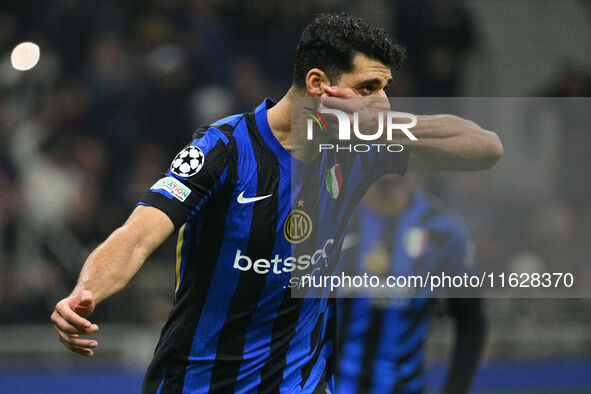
70 322
366 109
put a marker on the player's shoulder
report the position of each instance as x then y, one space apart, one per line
220 130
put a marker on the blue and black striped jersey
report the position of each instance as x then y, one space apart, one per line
381 340
246 223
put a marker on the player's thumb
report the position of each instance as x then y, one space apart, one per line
85 300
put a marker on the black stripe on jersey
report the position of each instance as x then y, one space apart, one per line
435 208
417 316
322 383
399 387
439 238
227 128
332 325
412 352
314 346
200 132
284 327
174 347
370 349
326 373
316 332
229 354
345 317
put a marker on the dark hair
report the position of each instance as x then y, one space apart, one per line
331 41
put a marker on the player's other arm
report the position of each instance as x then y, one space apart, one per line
106 271
444 142
470 335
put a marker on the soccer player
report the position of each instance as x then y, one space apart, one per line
234 326
398 230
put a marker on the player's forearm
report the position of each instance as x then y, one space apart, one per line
112 264
448 142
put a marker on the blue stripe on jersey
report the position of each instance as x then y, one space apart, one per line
160 387
285 158
353 347
383 371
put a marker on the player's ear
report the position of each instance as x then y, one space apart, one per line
316 80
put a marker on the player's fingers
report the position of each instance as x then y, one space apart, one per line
72 317
61 324
68 328
347 105
83 351
337 91
76 341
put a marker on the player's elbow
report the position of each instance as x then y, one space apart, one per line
495 148
492 150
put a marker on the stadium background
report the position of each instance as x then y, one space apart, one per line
121 84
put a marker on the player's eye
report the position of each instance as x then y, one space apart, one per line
366 90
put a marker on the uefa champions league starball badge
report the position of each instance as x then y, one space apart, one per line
188 162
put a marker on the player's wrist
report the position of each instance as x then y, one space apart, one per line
82 291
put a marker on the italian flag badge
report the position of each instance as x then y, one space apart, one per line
415 241
334 180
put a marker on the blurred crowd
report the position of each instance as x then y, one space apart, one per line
118 90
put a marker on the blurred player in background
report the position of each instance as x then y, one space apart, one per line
398 230
234 326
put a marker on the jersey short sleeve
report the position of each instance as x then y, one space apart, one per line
193 178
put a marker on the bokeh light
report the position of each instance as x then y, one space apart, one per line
25 56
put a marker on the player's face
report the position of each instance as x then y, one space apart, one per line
368 78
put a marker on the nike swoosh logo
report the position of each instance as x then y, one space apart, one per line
245 200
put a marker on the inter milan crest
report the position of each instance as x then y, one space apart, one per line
298 225
188 162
